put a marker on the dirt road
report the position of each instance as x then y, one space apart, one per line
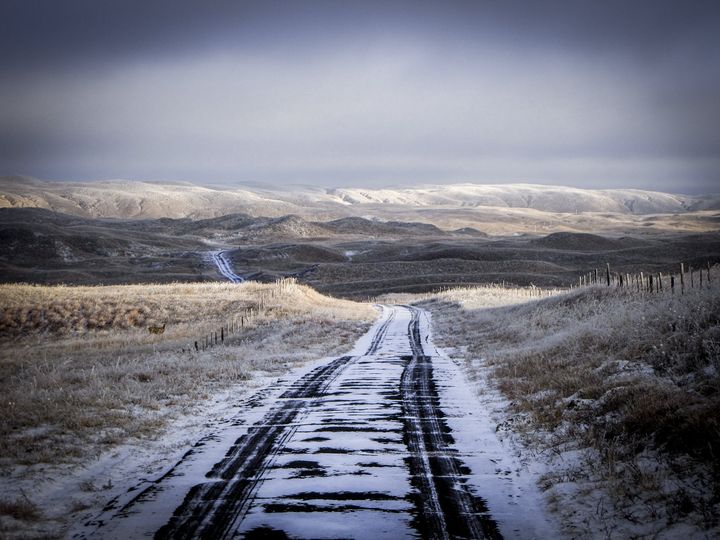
361 446
223 265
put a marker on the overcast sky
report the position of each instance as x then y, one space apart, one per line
591 94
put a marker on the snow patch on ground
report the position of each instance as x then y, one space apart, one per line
80 491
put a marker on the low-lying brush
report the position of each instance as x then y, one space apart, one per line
629 382
21 509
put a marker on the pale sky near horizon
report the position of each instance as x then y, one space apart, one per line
596 94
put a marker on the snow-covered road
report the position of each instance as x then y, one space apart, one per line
386 442
223 265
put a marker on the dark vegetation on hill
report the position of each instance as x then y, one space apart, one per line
353 257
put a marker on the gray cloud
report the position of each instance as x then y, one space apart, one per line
583 93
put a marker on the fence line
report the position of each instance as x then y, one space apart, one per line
653 282
641 282
237 324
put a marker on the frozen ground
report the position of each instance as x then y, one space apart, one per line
388 441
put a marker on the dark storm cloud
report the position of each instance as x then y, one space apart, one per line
37 31
588 93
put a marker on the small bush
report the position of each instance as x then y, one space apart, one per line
21 509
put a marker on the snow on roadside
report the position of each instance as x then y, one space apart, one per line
73 495
503 477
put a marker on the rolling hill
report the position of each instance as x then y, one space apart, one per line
138 200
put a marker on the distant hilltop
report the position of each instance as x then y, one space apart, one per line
124 199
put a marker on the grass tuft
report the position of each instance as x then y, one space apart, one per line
21 509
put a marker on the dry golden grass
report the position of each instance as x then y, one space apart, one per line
26 309
79 371
481 296
632 380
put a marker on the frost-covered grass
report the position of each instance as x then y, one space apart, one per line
482 296
102 311
81 374
620 390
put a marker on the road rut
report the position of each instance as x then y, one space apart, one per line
356 448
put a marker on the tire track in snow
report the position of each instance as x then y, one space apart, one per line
214 509
380 334
210 510
447 508
223 266
356 448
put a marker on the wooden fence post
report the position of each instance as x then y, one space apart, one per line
672 284
659 278
222 335
607 273
692 281
682 278
197 349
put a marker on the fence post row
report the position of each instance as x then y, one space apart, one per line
651 282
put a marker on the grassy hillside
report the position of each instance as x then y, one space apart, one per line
619 390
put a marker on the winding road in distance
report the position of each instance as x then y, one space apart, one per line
224 267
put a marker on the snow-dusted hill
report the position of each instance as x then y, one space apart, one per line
536 197
126 199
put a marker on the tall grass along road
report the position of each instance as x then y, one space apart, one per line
379 443
92 401
224 267
616 389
